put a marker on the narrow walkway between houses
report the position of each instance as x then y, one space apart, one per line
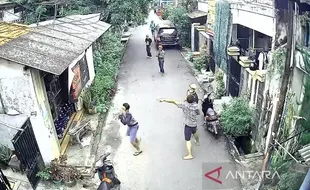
160 166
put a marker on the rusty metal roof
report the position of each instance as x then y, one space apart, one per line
9 31
51 46
305 153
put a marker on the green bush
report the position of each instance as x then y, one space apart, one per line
200 62
237 117
178 16
220 85
107 59
305 112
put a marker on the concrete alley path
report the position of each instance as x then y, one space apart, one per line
160 166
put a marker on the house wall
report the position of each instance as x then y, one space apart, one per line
259 18
18 93
45 115
10 16
15 88
203 6
203 37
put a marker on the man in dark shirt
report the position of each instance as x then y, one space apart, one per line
148 42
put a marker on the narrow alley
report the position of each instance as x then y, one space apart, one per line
160 166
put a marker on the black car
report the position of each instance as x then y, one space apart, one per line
166 35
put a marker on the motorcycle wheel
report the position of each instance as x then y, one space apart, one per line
104 186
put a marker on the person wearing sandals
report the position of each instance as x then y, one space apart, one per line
127 119
191 111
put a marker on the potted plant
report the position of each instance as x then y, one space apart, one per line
70 176
44 175
5 156
55 172
61 173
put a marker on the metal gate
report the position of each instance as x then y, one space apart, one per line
4 182
212 61
27 151
196 39
234 77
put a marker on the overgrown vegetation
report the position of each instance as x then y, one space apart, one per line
278 60
115 12
289 179
220 85
201 62
305 112
237 117
178 16
107 59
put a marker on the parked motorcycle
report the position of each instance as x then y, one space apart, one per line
213 126
107 174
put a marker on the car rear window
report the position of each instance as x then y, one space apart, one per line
168 31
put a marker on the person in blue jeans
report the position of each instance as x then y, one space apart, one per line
161 59
127 119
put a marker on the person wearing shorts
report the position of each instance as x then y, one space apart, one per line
191 111
132 127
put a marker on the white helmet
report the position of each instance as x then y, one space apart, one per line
193 86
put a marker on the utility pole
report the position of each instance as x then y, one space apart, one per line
283 89
55 11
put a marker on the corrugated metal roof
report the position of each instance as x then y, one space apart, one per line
305 153
51 46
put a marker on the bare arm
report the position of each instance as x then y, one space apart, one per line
170 101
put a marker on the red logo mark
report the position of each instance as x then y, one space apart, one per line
218 170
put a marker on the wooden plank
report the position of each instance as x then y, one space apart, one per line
65 144
67 128
79 115
65 141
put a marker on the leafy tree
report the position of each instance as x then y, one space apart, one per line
178 16
189 5
115 12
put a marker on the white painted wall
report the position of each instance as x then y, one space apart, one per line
44 115
261 20
15 85
90 63
203 6
10 16
17 92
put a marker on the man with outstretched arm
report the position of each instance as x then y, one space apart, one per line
127 119
191 111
